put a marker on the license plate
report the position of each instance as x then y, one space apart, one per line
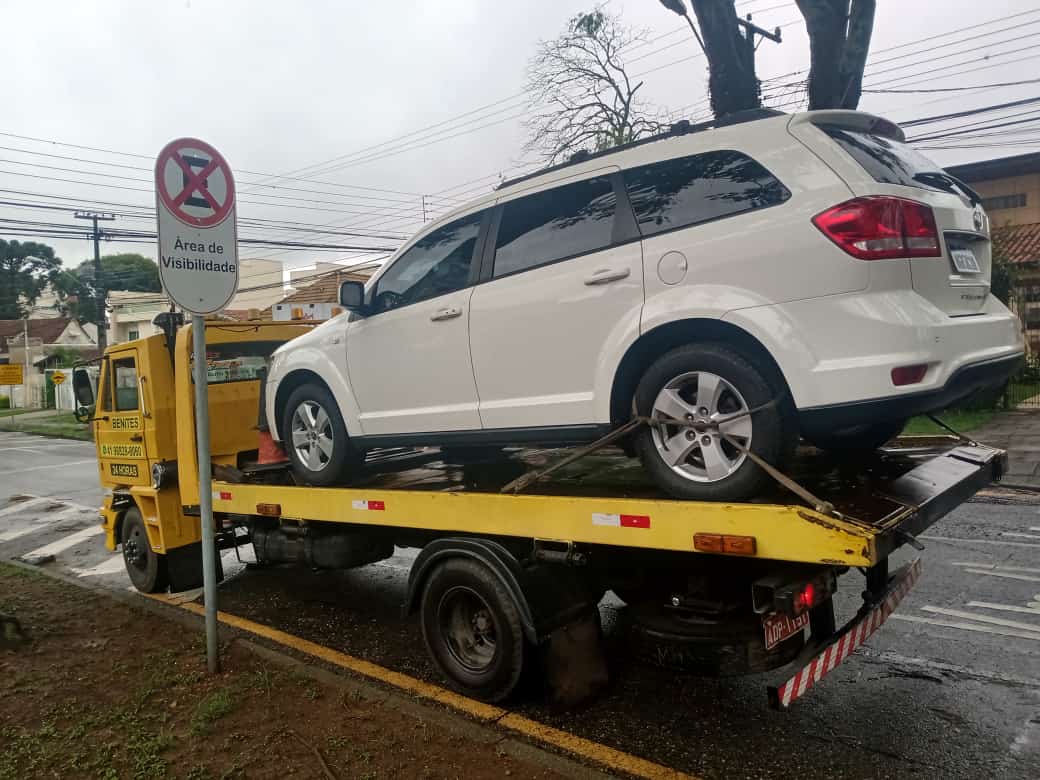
779 627
965 262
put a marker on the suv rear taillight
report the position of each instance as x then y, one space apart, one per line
881 227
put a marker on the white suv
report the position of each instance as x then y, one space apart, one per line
802 274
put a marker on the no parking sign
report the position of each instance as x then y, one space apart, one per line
198 234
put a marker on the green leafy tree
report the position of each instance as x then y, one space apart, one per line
126 271
26 267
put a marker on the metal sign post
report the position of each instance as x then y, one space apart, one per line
198 266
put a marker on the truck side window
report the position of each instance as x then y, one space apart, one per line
125 374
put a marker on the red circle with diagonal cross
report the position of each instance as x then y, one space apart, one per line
194 182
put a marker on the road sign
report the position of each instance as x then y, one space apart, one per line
57 377
11 374
198 239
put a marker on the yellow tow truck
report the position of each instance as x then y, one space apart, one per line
503 579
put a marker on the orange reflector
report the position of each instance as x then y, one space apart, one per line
724 543
271 510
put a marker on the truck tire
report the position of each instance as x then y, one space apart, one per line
315 437
698 383
472 630
862 438
146 568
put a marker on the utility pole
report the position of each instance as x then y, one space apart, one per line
751 30
99 281
25 379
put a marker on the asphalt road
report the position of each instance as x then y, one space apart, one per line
949 687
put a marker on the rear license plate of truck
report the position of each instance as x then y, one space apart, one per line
779 627
965 262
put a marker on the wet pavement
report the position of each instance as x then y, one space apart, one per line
949 687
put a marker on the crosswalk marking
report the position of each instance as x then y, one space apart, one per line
1005 575
960 613
65 542
41 523
969 626
19 506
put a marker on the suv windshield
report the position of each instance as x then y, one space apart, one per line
893 162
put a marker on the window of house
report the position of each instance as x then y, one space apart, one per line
562 222
687 190
998 202
125 386
437 264
133 335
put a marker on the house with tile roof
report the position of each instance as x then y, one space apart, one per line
319 300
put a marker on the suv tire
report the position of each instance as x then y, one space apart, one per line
701 382
315 437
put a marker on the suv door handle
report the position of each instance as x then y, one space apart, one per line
607 275
446 314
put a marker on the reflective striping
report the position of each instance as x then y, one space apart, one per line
620 520
372 506
826 661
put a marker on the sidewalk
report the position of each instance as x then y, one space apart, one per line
1018 432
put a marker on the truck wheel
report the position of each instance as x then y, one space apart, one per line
315 437
147 568
472 630
862 438
702 384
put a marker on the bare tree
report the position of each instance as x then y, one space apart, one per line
839 40
586 99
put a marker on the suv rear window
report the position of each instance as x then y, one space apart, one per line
687 190
888 161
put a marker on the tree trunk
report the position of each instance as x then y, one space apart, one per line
839 41
732 82
857 47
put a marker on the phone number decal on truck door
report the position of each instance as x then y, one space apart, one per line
122 451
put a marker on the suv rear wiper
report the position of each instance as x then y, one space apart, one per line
946 182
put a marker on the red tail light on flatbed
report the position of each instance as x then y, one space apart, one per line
881 228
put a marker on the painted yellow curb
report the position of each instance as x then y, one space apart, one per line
614 760
606 757
476 709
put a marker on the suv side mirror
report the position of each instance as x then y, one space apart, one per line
352 296
81 387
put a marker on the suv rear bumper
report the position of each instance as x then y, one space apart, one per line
965 382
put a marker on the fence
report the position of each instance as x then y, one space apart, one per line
1023 391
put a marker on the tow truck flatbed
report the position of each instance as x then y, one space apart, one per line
605 500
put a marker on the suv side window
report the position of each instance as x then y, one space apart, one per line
437 264
555 224
684 191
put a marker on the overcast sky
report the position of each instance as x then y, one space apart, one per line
281 86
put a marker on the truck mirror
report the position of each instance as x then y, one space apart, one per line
352 296
81 386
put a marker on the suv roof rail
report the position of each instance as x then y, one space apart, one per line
682 127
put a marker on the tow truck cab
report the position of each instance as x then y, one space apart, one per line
711 588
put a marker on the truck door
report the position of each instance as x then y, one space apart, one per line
119 421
